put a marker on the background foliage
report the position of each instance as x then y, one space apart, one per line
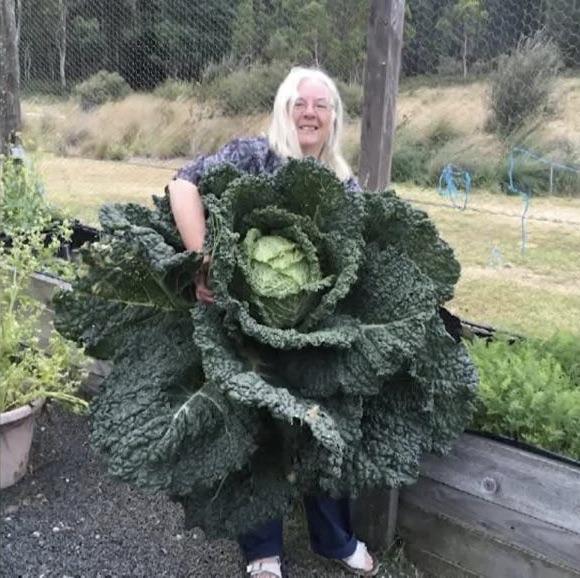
63 42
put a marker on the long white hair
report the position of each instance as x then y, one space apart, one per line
282 135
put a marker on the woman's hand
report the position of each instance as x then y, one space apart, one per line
202 291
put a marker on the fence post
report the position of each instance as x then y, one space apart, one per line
383 64
375 512
9 74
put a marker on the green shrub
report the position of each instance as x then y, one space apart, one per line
440 133
100 88
449 66
110 151
482 166
174 89
523 82
409 163
412 155
352 98
248 90
530 391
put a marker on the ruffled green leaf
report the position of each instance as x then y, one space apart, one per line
392 222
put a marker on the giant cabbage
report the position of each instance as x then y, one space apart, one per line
322 367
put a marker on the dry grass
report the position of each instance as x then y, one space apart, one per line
82 186
462 107
145 125
142 125
564 124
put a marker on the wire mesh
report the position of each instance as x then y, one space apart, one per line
156 83
226 58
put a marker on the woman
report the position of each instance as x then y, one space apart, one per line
306 122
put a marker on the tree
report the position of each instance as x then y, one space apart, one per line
346 55
62 40
10 117
316 31
422 41
244 32
467 17
562 17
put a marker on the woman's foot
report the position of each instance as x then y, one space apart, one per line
265 568
360 562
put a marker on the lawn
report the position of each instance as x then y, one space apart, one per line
534 293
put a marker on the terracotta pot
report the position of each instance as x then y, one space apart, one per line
16 428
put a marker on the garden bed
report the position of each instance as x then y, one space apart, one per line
492 509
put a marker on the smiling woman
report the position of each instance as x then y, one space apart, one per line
311 113
306 122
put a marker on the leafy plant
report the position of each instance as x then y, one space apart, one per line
100 88
247 90
22 204
530 390
29 368
323 365
24 210
523 82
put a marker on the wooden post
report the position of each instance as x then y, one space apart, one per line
383 65
9 74
375 512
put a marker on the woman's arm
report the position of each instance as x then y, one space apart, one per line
188 212
189 215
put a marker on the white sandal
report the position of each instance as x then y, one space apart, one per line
270 569
355 562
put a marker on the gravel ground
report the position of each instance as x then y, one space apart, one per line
66 518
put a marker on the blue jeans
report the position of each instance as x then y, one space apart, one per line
329 526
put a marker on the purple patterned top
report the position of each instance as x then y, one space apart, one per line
250 155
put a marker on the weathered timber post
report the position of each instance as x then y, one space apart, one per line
375 512
383 64
9 74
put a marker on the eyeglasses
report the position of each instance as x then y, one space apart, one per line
321 106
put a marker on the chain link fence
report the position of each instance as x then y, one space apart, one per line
489 101
188 76
228 56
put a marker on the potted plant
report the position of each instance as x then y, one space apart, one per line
36 363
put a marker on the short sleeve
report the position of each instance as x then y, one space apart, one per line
241 153
353 185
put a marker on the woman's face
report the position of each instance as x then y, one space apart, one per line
312 114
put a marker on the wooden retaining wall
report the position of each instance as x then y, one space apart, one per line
493 510
42 287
